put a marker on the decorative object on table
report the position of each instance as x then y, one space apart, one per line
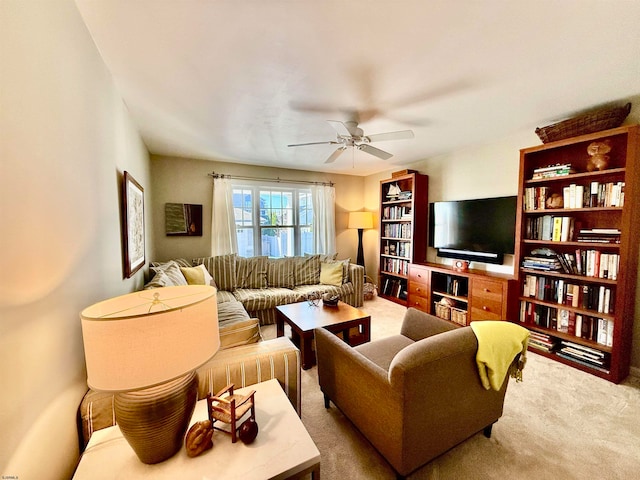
361 220
230 408
330 299
183 219
313 299
199 438
133 225
369 288
461 265
145 347
590 122
598 152
248 431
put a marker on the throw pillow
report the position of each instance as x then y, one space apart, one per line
240 333
159 280
172 270
307 270
222 268
280 272
193 275
251 272
331 273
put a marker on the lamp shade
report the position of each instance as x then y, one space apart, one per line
360 220
146 338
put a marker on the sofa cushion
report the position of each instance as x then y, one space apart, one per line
382 352
307 270
251 272
280 272
172 270
241 332
331 273
223 296
264 298
222 268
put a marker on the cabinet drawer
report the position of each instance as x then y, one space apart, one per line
487 299
418 274
488 290
418 302
418 289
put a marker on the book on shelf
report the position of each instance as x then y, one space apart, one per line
551 171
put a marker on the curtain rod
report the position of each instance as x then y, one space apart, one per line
277 179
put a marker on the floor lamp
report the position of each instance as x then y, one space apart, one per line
360 220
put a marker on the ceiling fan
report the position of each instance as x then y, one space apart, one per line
350 135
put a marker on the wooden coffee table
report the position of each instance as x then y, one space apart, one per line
303 318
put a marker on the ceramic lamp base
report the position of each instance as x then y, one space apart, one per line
155 420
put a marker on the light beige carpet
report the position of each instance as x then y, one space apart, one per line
559 423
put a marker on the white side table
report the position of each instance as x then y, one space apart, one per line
282 449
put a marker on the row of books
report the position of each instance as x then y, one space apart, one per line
550 171
397 212
584 355
550 228
589 263
595 194
395 287
598 298
399 249
395 265
457 287
542 341
397 230
589 327
572 351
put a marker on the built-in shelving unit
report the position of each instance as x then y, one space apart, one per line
461 297
577 253
403 231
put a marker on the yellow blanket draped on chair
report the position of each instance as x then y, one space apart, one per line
498 344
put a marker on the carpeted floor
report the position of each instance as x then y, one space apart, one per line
559 423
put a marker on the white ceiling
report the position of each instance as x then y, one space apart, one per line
238 80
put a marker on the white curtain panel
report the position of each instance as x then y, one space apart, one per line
324 218
223 222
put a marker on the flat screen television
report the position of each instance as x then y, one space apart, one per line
480 230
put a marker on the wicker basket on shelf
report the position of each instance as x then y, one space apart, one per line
443 311
458 316
595 121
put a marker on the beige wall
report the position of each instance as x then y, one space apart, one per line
65 139
180 180
479 171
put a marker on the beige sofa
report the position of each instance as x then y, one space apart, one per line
414 395
262 283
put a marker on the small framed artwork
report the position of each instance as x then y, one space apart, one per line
183 219
133 229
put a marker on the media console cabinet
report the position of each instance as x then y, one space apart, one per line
469 295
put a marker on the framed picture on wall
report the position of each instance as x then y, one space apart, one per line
183 219
133 225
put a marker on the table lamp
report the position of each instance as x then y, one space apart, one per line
145 347
360 220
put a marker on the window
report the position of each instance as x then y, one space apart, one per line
273 221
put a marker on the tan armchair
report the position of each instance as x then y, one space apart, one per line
414 395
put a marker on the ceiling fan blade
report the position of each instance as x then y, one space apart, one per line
335 155
341 128
401 135
375 151
312 143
